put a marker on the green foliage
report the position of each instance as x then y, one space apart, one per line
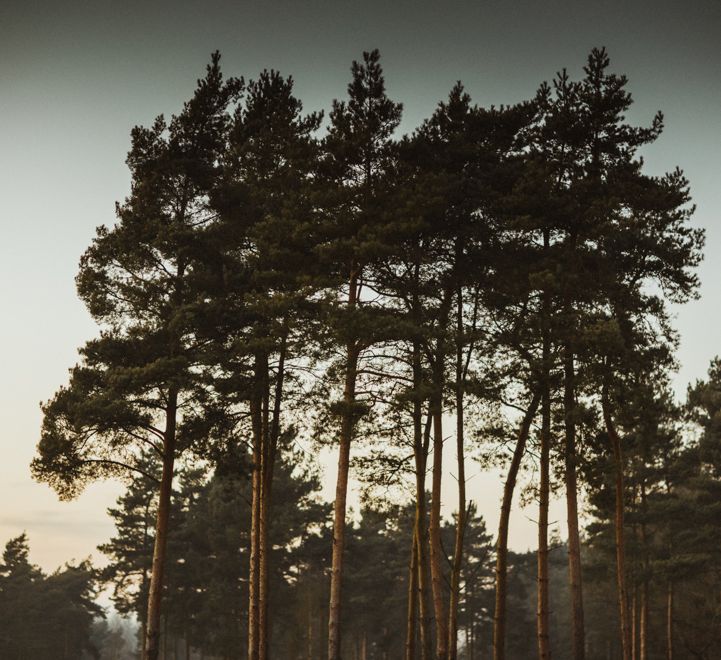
49 617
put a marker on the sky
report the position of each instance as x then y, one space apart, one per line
77 76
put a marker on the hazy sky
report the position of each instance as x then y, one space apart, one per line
76 76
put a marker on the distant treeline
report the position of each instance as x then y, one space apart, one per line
499 279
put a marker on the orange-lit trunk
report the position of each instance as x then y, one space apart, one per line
620 536
499 617
155 591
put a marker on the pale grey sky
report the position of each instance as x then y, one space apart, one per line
76 76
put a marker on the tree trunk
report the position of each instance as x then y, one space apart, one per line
271 434
542 613
620 536
425 609
499 617
421 443
411 617
643 646
256 414
574 539
461 520
669 621
341 491
643 649
155 591
634 624
436 549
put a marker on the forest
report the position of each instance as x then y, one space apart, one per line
500 282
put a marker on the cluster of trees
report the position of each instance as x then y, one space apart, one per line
503 271
45 616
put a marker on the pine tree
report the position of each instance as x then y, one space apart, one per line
137 387
357 151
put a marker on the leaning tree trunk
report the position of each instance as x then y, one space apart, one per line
620 536
499 617
155 592
341 490
574 538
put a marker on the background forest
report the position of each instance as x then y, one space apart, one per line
498 280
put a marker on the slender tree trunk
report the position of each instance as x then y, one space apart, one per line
421 443
256 414
155 591
644 583
411 618
341 491
499 616
634 623
574 539
460 454
620 536
424 577
542 614
643 646
271 434
669 621
461 520
436 549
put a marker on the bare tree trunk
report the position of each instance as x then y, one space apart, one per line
542 614
620 536
341 491
412 601
421 443
669 621
643 651
461 520
437 578
634 626
574 538
256 414
271 434
643 647
499 617
155 591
